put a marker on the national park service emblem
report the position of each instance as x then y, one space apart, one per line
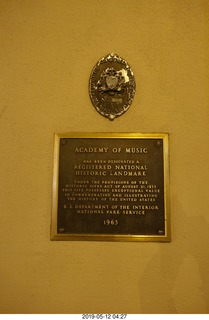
112 86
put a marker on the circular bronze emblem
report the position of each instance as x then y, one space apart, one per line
112 86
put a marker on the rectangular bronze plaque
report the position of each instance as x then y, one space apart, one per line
111 187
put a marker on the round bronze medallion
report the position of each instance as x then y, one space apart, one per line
112 86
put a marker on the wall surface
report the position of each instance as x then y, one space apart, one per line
48 49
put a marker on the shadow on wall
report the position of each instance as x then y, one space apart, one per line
176 280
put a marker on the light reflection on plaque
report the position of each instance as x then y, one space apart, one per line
111 187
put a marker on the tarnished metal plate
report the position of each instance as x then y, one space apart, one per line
112 86
111 187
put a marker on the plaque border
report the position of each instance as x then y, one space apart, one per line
111 237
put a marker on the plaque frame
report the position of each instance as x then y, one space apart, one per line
103 236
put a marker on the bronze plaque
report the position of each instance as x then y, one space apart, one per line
112 86
111 187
